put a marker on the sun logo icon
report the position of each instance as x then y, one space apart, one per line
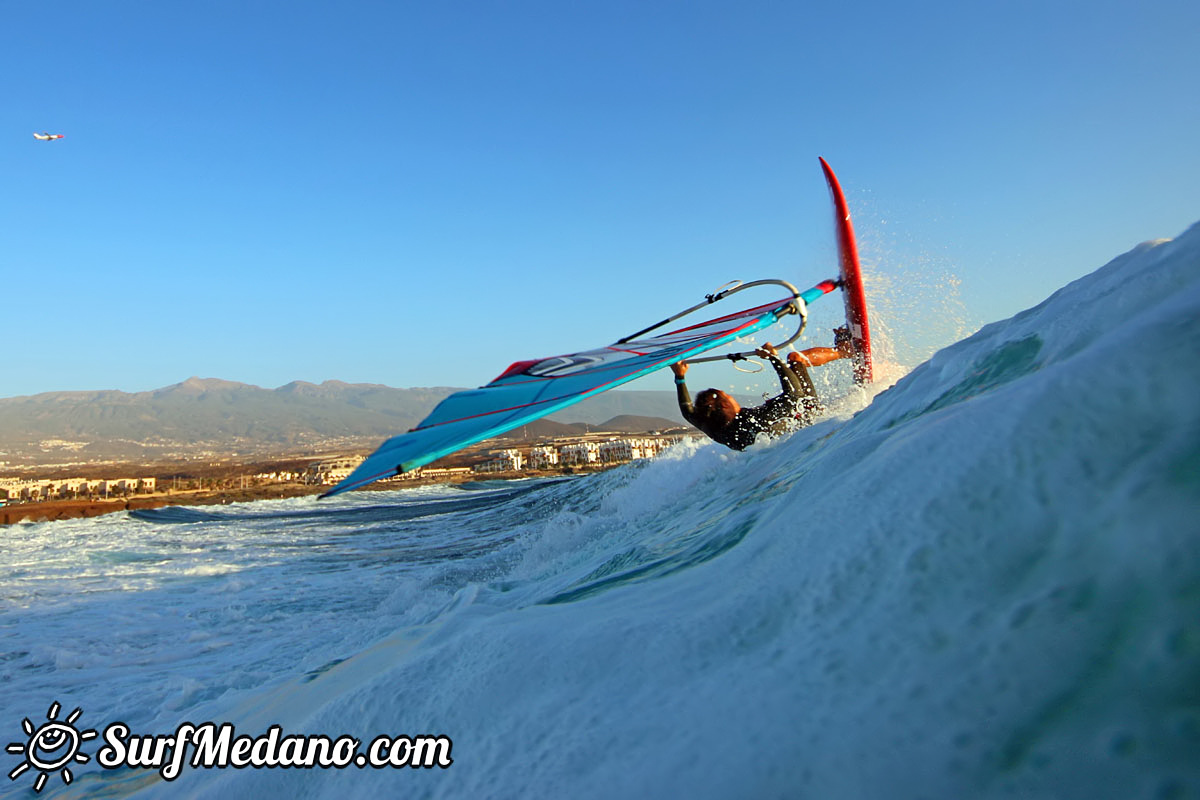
52 746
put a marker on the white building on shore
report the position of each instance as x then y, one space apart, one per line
617 450
543 457
330 471
505 461
579 453
20 490
612 451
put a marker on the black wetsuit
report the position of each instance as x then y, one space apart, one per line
797 403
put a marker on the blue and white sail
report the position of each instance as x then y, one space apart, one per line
530 390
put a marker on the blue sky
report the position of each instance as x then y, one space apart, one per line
417 194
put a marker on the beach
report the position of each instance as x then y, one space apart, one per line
51 510
79 508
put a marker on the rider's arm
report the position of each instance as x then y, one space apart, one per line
681 391
787 379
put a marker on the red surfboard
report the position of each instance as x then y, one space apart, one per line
852 283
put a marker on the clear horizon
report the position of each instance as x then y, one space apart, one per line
419 196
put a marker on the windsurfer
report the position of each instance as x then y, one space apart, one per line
722 418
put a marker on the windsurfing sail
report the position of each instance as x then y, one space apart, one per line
47 137
530 390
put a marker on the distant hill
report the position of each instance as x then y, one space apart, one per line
211 416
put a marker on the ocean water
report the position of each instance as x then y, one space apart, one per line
983 581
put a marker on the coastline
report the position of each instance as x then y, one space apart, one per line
54 510
236 480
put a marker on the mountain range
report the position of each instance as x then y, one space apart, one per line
206 416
